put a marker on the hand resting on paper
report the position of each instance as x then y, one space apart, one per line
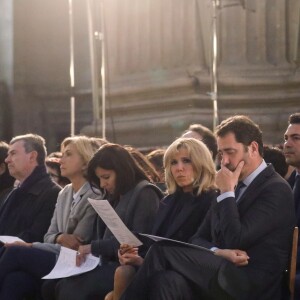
82 252
128 255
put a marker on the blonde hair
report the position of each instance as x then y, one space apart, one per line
201 159
85 146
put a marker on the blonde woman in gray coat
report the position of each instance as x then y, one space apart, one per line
24 264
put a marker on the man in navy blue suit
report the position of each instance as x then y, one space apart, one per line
248 228
292 156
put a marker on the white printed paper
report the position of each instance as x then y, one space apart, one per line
66 264
9 239
159 238
114 223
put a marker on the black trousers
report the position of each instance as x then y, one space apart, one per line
21 270
176 272
91 285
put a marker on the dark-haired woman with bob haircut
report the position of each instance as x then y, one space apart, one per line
135 200
190 178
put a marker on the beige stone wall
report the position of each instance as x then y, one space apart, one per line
158 64
159 60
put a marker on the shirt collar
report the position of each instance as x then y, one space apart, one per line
247 181
77 196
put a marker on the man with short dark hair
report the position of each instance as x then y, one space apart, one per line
28 209
248 230
292 156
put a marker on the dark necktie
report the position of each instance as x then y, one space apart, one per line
238 189
296 191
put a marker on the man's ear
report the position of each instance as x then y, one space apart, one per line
254 147
33 156
2 168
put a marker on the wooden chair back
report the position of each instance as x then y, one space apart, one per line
293 264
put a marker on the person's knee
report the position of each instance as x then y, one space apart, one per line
157 251
48 289
17 285
123 273
12 251
63 291
109 296
122 278
233 280
167 279
169 285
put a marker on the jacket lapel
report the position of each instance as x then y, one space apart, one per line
162 212
254 188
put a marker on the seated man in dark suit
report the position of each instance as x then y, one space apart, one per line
28 209
248 228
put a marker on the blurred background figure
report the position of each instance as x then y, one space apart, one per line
156 158
276 157
98 141
6 181
204 134
53 169
144 164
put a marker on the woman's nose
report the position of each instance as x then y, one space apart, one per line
180 166
102 184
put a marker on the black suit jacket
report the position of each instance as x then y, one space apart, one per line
185 224
189 218
291 181
261 223
28 213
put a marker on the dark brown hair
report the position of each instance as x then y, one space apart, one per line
244 129
117 158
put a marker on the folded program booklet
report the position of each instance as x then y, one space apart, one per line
159 238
